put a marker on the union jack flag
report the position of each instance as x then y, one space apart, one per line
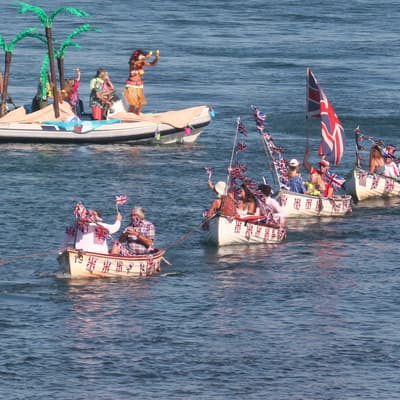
106 266
101 232
121 199
241 128
91 264
312 95
318 106
333 136
335 180
241 146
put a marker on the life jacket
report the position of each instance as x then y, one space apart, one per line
228 207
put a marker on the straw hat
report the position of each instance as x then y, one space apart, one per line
220 188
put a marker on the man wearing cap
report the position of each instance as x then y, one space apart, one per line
295 181
138 237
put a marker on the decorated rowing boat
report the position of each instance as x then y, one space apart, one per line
222 231
83 264
304 205
362 185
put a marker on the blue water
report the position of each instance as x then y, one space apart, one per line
316 317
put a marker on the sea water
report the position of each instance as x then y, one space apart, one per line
316 317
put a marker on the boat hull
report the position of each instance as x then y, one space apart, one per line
82 264
303 205
140 132
223 231
362 185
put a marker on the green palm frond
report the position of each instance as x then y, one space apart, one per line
25 7
30 32
44 77
3 44
80 29
71 10
64 46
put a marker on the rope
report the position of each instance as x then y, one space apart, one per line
7 260
187 235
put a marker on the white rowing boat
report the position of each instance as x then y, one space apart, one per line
304 205
362 185
83 264
224 231
298 204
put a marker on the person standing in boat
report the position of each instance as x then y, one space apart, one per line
133 91
71 93
102 94
138 237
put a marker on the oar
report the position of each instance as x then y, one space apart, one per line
188 234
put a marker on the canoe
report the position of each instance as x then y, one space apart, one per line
297 204
224 231
361 185
84 264
179 126
304 205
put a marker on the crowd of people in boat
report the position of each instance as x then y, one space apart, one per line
103 94
318 183
243 204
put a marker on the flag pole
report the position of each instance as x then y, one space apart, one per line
233 152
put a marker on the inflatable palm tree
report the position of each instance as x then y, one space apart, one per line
8 49
69 43
47 20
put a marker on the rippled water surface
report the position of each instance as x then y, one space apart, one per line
316 317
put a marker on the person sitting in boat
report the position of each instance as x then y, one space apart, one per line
391 168
322 171
102 94
247 204
133 91
43 96
138 237
71 94
90 233
295 181
269 206
376 160
315 185
224 204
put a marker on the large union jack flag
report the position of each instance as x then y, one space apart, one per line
333 136
312 95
